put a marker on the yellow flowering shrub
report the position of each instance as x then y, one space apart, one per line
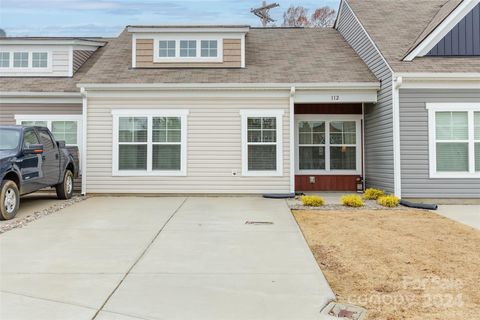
352 200
312 201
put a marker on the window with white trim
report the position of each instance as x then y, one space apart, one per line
39 59
166 48
64 128
262 143
454 140
20 59
152 142
188 48
209 48
328 144
4 59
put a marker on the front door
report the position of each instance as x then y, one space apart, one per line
328 152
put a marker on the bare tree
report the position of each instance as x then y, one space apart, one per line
296 17
323 17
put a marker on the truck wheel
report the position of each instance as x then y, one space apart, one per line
10 200
65 188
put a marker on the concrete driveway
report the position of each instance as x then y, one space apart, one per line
466 214
161 258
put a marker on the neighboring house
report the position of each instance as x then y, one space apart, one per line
38 82
225 109
422 137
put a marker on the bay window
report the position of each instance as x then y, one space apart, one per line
149 142
454 140
328 144
262 142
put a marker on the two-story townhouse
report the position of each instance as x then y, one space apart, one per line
422 137
225 109
38 82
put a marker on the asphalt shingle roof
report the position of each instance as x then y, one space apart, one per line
397 25
273 55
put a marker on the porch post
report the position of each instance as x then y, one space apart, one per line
292 139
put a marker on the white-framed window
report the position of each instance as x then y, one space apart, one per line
262 142
328 144
25 60
209 48
188 48
166 48
454 140
149 142
39 59
66 128
4 59
20 59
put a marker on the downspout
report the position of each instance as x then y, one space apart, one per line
83 92
292 140
397 173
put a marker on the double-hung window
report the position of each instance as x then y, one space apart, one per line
262 142
149 142
454 140
63 127
328 144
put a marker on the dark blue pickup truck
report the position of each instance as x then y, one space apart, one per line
30 160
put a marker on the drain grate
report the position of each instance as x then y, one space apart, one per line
258 222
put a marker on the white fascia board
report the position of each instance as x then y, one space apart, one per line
205 29
230 86
441 31
77 42
440 80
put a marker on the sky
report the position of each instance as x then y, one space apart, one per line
108 17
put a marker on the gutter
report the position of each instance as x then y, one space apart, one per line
397 173
229 86
16 94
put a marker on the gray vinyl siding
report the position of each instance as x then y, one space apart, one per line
414 145
463 39
214 143
9 110
379 169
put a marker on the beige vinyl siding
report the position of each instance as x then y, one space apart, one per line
232 56
9 110
214 145
60 63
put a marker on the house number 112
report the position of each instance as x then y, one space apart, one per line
335 98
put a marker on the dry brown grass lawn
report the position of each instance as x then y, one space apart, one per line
402 264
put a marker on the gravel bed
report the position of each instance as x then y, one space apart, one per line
296 204
22 222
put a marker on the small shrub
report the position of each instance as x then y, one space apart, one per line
312 201
388 201
373 194
352 200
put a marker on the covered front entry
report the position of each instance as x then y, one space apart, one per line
328 147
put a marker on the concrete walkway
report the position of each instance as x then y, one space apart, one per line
466 214
161 258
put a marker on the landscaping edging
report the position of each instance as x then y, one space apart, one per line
22 222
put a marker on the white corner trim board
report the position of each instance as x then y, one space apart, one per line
84 139
292 138
441 31
470 109
397 168
278 114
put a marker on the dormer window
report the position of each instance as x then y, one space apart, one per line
4 59
39 60
209 48
166 48
20 59
188 48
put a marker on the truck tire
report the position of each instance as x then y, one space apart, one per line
9 200
65 188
